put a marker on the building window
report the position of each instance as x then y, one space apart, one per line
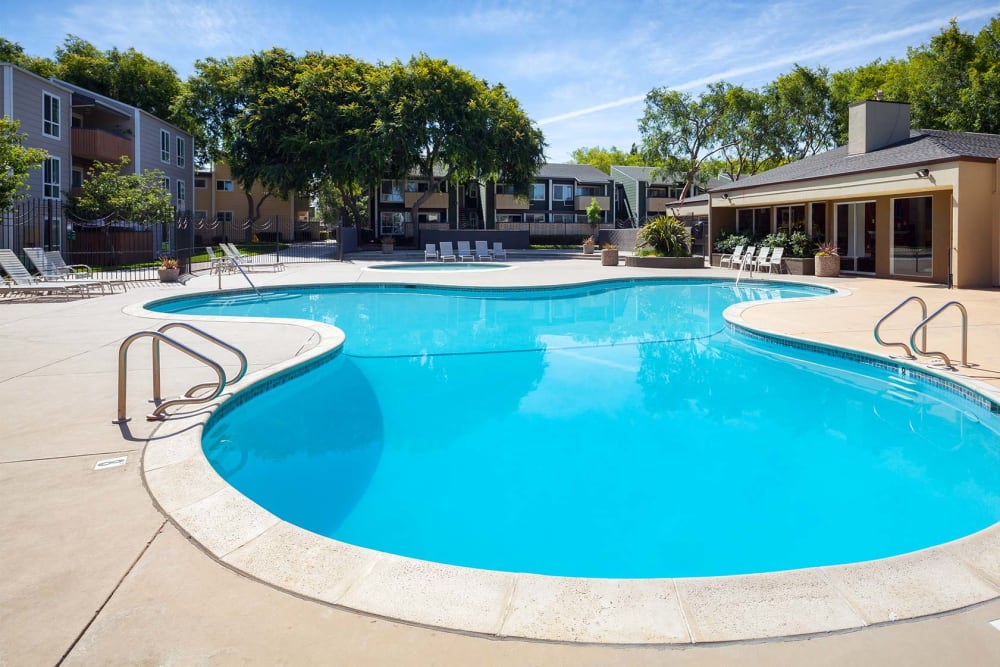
538 192
226 186
789 219
223 216
534 217
393 222
76 178
181 151
51 125
505 189
754 222
589 191
563 217
391 191
51 179
181 192
200 183
563 193
200 216
508 217
164 146
913 236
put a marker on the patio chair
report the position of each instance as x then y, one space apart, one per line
483 251
745 258
775 260
498 250
736 256
25 283
51 265
430 251
447 253
761 259
465 251
239 259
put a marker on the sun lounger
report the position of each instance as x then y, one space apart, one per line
248 263
447 254
430 251
761 259
774 261
51 265
734 258
498 250
483 251
464 251
25 283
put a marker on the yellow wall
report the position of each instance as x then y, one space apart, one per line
284 211
975 206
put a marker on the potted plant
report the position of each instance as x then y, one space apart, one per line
169 270
588 245
388 244
827 260
609 255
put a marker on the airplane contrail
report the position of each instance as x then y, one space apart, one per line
777 62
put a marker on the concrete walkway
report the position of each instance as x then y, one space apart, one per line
94 573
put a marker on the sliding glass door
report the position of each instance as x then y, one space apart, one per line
912 236
855 234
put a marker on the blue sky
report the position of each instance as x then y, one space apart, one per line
579 68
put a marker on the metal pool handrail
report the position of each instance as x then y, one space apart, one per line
965 335
878 338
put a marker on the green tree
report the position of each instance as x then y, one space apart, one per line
604 158
13 53
744 130
980 101
800 104
680 132
17 161
937 74
110 195
442 123
865 83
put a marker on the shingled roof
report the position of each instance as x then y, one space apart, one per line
922 148
580 172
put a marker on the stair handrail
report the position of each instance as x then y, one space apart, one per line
923 310
747 259
195 330
965 335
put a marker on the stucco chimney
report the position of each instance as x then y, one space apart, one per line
874 124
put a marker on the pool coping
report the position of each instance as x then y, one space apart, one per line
246 538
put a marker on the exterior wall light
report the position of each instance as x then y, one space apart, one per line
923 172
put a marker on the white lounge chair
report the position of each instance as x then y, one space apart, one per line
775 260
239 259
735 257
430 251
217 263
447 253
25 283
464 251
761 259
51 265
498 250
483 251
745 259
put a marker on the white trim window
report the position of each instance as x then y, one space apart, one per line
164 146
224 186
534 217
166 183
181 192
51 178
181 151
200 183
562 192
51 119
538 192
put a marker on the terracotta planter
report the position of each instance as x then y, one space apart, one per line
609 257
169 275
827 266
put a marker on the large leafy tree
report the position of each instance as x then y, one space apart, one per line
444 124
108 194
800 103
680 132
744 131
981 100
17 161
604 158
937 74
865 83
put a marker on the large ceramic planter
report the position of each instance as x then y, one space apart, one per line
649 262
609 257
169 275
827 266
387 248
588 248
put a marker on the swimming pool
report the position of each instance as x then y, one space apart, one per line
519 430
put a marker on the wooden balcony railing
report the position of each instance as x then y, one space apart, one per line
92 144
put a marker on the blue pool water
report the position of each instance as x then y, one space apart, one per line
615 430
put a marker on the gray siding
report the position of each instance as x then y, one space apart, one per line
26 104
148 145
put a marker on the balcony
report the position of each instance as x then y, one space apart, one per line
583 202
511 203
658 205
91 144
436 200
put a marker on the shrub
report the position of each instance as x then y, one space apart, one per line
727 242
666 236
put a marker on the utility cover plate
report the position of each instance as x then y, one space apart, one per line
111 463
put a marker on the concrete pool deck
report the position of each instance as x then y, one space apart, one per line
95 572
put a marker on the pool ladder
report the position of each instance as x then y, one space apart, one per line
913 349
189 397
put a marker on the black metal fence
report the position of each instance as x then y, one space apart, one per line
129 250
